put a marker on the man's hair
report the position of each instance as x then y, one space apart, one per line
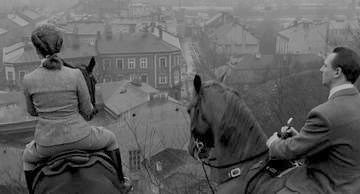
349 62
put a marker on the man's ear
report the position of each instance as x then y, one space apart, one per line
338 72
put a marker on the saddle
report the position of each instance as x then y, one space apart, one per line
69 160
277 168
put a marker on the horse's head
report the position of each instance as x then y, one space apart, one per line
204 116
221 120
87 71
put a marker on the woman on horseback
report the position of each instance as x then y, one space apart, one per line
59 97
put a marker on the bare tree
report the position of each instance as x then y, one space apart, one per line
149 141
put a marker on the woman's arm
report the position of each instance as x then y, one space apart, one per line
29 104
86 109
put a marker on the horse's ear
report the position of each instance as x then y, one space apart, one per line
197 83
91 65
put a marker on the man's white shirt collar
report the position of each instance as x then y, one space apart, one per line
42 61
338 88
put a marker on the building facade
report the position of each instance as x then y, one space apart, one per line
139 56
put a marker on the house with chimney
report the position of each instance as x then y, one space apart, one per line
139 56
303 37
85 32
229 36
145 120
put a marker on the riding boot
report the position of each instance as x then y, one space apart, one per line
116 158
29 178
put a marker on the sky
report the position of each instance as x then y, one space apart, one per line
48 4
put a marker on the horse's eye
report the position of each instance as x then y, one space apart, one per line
188 110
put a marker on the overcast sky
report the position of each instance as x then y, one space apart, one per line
49 4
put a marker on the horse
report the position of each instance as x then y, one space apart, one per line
77 171
224 129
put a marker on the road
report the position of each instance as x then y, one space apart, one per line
188 73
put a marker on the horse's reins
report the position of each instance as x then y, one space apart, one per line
200 145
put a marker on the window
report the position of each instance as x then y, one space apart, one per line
21 75
133 77
143 63
92 42
177 60
120 63
10 76
144 78
106 63
163 79
176 77
134 160
131 63
162 62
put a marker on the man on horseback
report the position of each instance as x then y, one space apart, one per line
59 97
329 140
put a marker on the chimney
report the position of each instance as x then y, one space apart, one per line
160 32
108 32
75 40
27 45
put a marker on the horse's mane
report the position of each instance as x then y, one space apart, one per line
239 127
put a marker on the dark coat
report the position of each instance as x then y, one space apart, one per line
330 143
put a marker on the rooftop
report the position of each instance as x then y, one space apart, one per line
17 20
31 14
225 34
168 37
141 42
2 31
122 96
21 53
84 28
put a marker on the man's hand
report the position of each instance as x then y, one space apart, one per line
288 132
272 139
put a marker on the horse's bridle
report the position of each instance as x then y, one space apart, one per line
235 172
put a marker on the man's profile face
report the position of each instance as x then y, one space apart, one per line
327 70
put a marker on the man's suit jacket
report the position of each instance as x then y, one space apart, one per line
330 143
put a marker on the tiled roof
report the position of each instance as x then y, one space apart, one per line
343 25
141 42
248 70
232 34
29 55
2 31
168 37
84 50
85 28
17 20
31 14
213 19
306 37
119 97
169 159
